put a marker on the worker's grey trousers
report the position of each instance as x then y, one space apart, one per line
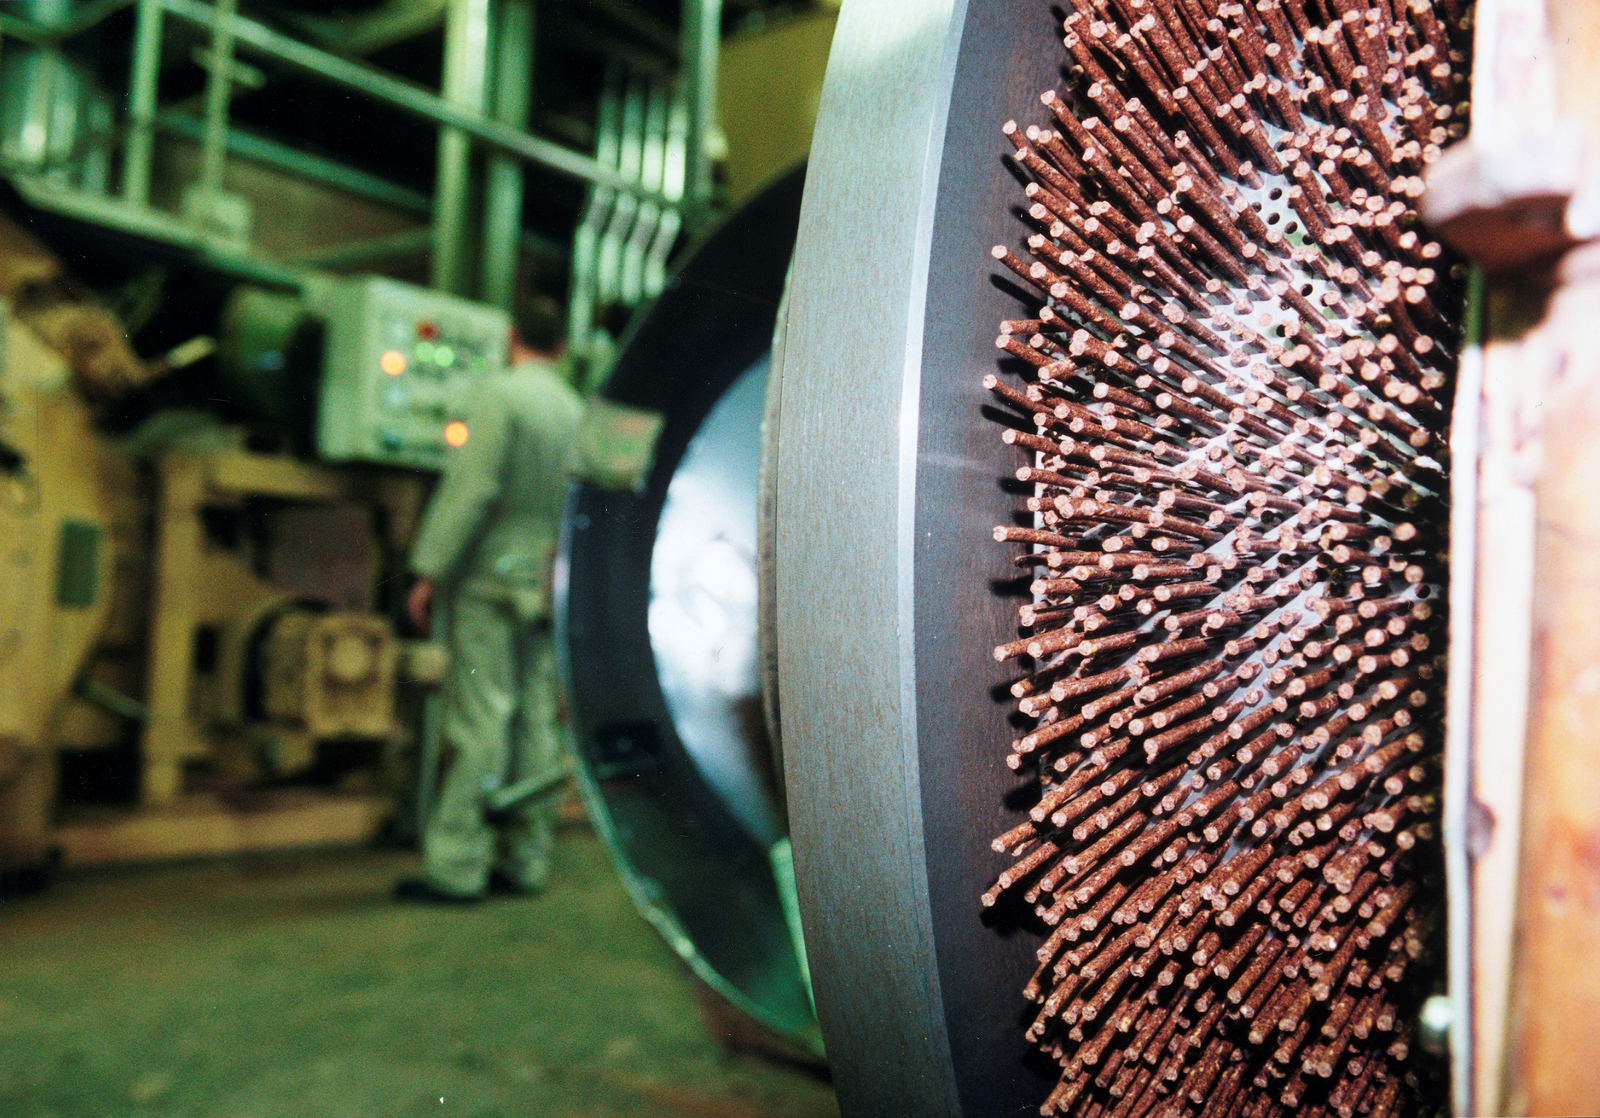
500 724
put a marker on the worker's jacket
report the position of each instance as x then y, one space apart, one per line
493 522
491 527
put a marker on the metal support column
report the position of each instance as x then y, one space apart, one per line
502 206
466 48
146 72
701 41
219 86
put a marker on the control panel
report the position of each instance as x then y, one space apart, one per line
397 367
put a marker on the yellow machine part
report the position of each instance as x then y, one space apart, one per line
57 552
331 674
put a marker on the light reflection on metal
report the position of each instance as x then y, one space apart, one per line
55 120
703 606
684 851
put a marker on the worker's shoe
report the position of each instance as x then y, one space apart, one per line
419 890
502 884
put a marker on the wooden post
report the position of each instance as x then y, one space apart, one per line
1555 1004
1555 1046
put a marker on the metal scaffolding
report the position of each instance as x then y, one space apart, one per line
649 175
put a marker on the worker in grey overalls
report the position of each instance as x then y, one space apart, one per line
487 545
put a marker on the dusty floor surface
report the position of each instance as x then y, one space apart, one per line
293 987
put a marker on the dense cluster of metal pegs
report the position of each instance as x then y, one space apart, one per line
1235 390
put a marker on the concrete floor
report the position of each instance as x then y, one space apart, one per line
293 987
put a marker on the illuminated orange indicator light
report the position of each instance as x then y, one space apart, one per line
455 433
393 362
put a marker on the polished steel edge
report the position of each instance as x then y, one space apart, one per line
845 520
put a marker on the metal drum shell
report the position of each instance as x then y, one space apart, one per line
890 591
694 873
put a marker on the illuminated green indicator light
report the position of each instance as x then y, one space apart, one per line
444 355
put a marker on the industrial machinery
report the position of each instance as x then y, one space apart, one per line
290 675
247 667
891 482
247 523
1272 160
331 673
370 373
64 544
398 362
816 548
657 608
194 604
888 484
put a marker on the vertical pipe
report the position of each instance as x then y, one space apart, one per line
142 104
701 36
466 47
502 207
586 238
214 144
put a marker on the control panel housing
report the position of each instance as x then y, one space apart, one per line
397 367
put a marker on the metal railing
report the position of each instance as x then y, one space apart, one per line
641 187
620 248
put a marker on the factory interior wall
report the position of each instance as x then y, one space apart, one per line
770 84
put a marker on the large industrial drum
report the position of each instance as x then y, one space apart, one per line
657 612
